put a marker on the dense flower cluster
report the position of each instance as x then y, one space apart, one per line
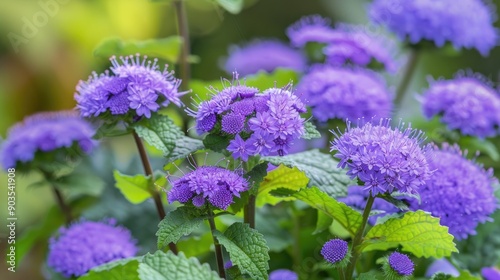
265 55
87 244
136 87
401 264
464 103
257 123
345 93
214 184
45 132
335 250
386 159
459 192
283 274
464 23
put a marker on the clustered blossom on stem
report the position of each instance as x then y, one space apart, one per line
398 266
467 103
46 133
460 192
266 55
345 93
135 87
212 184
87 244
255 123
464 23
344 43
336 251
283 274
385 159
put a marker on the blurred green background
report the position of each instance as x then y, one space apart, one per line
42 73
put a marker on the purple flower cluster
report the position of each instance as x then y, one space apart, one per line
345 93
465 103
136 87
265 55
490 273
335 250
386 159
87 244
459 192
257 123
464 23
401 264
283 274
215 184
345 43
45 132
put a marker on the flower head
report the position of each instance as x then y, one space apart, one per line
459 192
49 132
343 93
135 87
310 29
466 104
283 274
465 23
335 251
386 159
490 273
400 265
87 244
215 185
264 55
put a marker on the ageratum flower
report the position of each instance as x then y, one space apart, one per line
87 244
441 266
335 251
255 123
465 103
50 132
464 23
344 93
459 192
311 29
385 159
264 55
283 274
212 184
398 266
135 88
490 273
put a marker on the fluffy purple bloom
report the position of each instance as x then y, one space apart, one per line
335 250
283 274
215 185
136 86
464 23
490 273
233 123
87 244
459 192
386 159
441 266
46 132
466 104
311 29
344 93
401 264
266 55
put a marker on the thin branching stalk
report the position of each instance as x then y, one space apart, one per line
218 248
411 66
182 25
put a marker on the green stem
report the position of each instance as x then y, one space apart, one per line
297 255
411 66
341 273
182 25
249 214
65 209
358 238
218 248
154 192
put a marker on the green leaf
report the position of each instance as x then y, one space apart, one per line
441 276
160 132
176 224
311 131
77 184
166 48
134 188
323 222
232 6
417 232
184 146
216 143
256 176
371 275
247 249
466 275
349 218
125 269
167 266
401 205
483 145
320 168
281 177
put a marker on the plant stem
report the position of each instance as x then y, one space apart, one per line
411 66
358 238
65 209
154 193
249 214
182 25
341 273
218 248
